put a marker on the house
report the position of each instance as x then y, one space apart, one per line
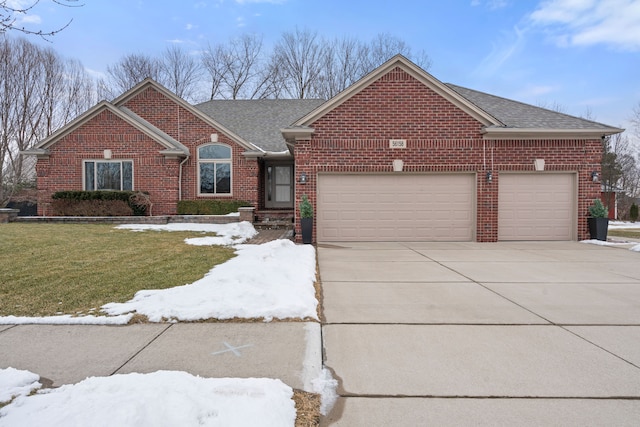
397 156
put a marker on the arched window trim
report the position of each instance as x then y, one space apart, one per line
218 166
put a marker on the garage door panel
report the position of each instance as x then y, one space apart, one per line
536 206
385 207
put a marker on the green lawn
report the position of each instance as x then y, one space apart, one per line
49 269
632 233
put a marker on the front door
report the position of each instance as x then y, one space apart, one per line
279 186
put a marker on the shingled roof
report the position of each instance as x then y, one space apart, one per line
259 120
515 114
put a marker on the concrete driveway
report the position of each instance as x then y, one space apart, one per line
482 334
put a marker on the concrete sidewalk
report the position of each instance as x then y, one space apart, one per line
482 334
66 354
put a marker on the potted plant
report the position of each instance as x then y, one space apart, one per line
306 219
598 220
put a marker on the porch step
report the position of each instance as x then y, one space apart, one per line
281 219
274 225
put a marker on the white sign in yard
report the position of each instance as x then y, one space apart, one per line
397 143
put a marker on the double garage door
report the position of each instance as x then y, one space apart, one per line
396 207
440 207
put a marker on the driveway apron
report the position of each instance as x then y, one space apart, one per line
482 333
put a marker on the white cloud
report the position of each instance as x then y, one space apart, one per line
590 22
240 22
510 44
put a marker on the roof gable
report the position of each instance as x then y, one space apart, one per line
150 83
414 71
501 118
172 147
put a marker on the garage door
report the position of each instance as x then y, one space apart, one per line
536 206
394 207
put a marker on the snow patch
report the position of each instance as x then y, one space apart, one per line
227 234
325 385
16 383
272 280
67 320
163 398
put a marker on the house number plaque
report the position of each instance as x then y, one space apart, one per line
397 143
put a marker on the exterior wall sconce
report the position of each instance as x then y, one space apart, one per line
398 165
595 177
489 177
107 154
303 178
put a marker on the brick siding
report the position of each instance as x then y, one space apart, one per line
152 171
354 137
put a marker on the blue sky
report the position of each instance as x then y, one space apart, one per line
580 54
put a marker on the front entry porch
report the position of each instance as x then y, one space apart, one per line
277 195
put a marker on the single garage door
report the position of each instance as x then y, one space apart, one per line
539 206
396 207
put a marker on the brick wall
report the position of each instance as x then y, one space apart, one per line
354 137
153 172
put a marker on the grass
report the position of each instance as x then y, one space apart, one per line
50 269
631 233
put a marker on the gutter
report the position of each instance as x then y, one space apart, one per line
180 177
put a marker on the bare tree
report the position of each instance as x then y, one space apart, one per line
128 72
181 73
39 92
213 61
12 11
383 47
242 62
238 69
299 58
340 67
635 119
621 170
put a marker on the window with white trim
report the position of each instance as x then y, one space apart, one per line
214 169
108 175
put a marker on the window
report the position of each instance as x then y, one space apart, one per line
214 163
108 175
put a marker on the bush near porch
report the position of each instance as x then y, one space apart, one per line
100 203
210 207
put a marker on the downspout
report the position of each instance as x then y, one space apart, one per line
180 177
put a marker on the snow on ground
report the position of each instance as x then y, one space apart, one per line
272 280
623 224
163 398
66 319
15 382
227 234
616 225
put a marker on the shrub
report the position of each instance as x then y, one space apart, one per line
306 210
210 207
598 210
68 207
633 212
100 203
